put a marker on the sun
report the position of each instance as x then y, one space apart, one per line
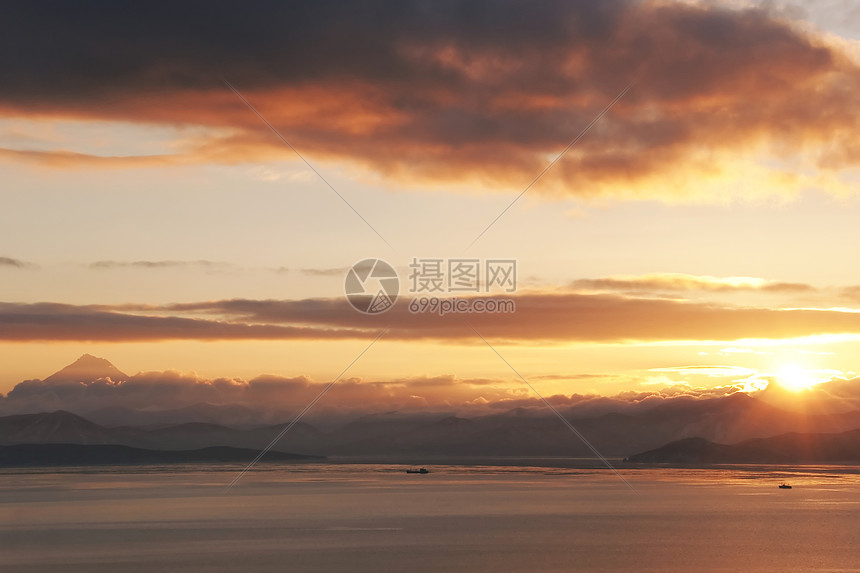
795 378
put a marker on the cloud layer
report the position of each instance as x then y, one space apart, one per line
278 396
106 265
679 282
447 91
9 262
539 318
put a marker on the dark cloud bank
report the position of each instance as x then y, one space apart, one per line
443 90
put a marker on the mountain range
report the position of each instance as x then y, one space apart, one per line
791 448
91 455
519 432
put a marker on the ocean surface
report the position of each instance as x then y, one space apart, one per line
354 517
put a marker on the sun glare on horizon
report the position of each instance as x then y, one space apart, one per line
795 378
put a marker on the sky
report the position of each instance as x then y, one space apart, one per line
676 181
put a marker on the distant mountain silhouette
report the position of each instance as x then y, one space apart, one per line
66 428
517 433
86 369
80 455
524 433
59 426
791 448
104 413
234 415
302 438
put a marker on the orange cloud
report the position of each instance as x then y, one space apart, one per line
539 318
72 160
852 293
679 282
432 93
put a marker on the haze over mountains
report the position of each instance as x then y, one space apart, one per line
520 431
792 448
103 454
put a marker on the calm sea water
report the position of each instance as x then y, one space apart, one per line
357 518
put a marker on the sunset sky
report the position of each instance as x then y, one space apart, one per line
701 237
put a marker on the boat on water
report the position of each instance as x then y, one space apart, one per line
784 486
419 471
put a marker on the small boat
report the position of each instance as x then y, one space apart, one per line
421 471
784 486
